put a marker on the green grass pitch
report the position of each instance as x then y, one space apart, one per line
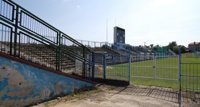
162 72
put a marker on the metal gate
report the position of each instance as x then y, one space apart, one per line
155 70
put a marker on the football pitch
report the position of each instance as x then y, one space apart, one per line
162 72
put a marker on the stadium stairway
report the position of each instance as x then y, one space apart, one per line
35 68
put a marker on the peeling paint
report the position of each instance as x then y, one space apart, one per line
22 85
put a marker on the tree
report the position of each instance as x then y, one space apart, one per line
155 48
151 46
182 48
172 45
176 49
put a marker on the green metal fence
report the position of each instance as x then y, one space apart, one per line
117 67
26 36
175 73
153 70
112 67
189 79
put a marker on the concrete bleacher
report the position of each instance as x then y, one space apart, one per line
5 47
105 50
115 55
47 55
40 54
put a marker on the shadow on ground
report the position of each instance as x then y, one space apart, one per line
112 82
159 93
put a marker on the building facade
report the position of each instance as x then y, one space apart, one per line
194 47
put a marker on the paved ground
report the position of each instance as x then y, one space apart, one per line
109 96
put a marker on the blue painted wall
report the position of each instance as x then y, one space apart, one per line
22 85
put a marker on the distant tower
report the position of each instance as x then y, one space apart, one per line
119 37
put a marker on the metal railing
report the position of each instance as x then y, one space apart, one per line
95 44
111 67
189 79
24 35
159 70
190 76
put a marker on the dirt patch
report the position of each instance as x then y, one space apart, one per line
119 100
109 96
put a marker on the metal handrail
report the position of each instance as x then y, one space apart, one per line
19 23
46 24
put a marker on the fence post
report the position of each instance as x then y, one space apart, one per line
16 30
154 66
58 52
104 66
84 68
129 69
179 77
11 38
93 65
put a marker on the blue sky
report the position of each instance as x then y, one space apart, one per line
149 21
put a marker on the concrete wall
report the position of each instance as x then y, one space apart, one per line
22 85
